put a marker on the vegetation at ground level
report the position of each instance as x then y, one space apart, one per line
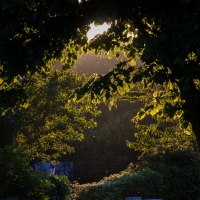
169 176
19 181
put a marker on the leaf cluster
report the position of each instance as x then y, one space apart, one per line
161 136
49 121
119 186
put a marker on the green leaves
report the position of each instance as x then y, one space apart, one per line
132 62
50 120
141 115
119 186
163 136
33 36
120 90
20 181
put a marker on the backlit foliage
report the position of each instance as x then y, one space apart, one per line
49 121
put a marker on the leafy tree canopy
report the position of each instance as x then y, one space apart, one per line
47 124
165 36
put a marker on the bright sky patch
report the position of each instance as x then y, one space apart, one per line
97 30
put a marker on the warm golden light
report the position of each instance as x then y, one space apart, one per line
97 30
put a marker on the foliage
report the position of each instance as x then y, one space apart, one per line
169 176
38 37
169 54
60 187
45 127
180 171
161 136
18 180
119 186
165 36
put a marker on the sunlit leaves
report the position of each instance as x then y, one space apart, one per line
132 62
162 137
160 101
127 87
100 88
165 37
141 114
51 120
121 90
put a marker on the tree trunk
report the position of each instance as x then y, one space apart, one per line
192 108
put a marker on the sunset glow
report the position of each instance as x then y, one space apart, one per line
96 30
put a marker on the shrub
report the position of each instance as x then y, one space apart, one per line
180 170
169 175
136 183
60 187
19 181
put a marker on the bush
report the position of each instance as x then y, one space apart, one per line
180 170
171 176
141 182
60 187
19 181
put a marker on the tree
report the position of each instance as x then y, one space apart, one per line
20 181
33 35
166 40
165 36
48 123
